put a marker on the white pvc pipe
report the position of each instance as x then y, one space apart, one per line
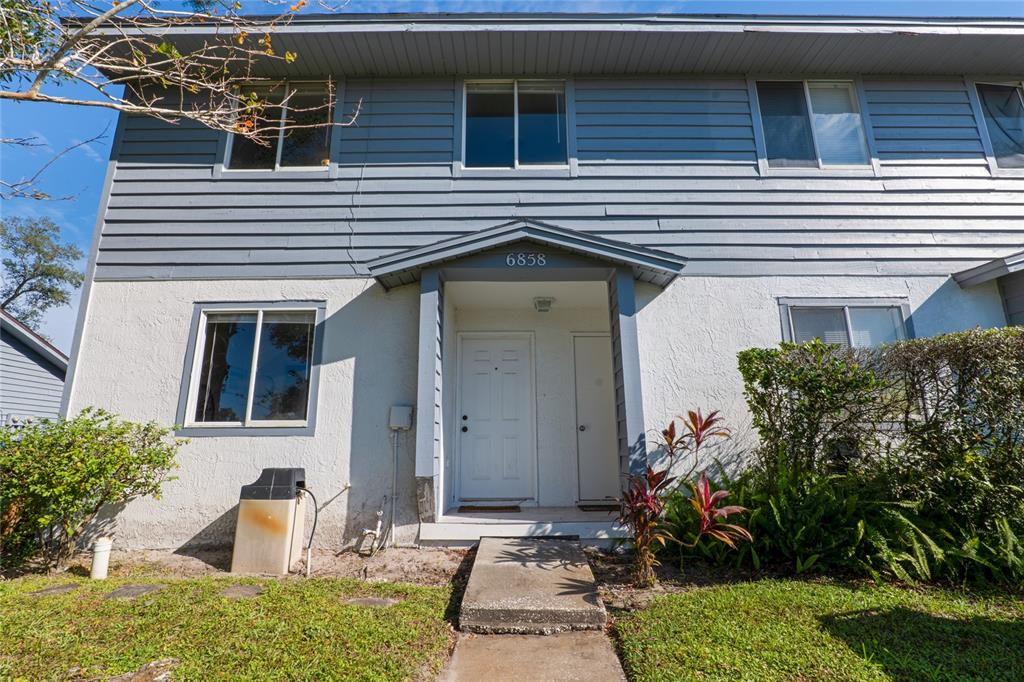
100 558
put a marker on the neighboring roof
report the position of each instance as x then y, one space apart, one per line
994 269
358 45
649 265
30 338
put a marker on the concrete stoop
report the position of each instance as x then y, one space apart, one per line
531 586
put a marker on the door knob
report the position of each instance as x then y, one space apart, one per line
465 429
582 427
465 417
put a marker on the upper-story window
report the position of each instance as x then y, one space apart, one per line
847 325
812 124
301 141
515 123
1003 106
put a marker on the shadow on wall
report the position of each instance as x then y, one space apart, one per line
892 640
378 332
213 543
950 308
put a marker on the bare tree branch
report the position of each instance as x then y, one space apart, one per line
22 189
135 58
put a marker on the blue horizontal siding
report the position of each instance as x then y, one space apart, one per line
669 163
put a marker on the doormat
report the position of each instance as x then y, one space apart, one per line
610 507
504 509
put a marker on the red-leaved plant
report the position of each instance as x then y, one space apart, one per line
710 513
643 505
643 502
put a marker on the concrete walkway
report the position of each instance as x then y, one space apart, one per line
540 595
566 656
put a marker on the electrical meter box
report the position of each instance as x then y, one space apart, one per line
271 515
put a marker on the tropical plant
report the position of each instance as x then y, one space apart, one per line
707 504
642 508
55 476
643 504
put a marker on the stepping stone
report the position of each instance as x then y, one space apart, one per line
529 586
568 656
242 591
56 589
373 602
133 591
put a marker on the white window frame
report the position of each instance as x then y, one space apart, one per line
787 304
197 367
278 168
515 123
982 122
855 93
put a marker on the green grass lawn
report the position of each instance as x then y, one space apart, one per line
297 629
799 630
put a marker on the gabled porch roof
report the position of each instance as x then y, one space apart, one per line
995 268
648 265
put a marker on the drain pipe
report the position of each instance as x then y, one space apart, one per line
388 539
374 532
400 419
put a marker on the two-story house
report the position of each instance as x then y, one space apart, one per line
549 233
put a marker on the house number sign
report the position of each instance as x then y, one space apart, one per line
523 259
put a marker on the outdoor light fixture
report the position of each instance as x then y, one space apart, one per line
542 304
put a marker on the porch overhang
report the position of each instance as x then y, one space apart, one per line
648 265
993 269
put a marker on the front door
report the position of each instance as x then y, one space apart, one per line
596 435
495 420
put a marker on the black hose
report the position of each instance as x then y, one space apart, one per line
316 513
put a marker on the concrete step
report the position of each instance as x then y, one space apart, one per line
531 586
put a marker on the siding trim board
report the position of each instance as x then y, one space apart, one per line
994 269
649 265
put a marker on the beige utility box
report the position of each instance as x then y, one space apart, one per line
271 515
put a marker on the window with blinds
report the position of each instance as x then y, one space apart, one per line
812 124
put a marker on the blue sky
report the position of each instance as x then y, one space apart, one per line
80 173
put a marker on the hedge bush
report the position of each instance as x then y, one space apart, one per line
55 476
906 460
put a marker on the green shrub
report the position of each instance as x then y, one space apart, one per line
907 460
56 475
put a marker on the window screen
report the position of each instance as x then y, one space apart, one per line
227 363
282 369
1003 106
302 145
837 125
868 325
249 154
490 125
827 324
787 130
541 123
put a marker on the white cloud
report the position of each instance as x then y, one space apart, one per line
88 151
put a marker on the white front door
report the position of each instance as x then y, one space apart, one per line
495 420
596 435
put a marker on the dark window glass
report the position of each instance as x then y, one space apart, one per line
1004 116
303 146
541 124
787 128
227 361
247 153
490 128
281 390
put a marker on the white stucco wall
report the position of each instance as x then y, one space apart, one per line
690 333
136 334
132 360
